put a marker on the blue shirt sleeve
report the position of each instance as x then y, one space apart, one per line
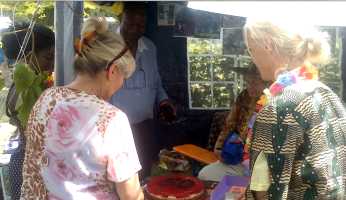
161 93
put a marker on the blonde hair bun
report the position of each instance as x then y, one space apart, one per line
97 24
317 48
296 42
103 46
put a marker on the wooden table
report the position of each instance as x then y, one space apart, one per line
196 153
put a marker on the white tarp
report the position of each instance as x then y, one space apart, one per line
320 13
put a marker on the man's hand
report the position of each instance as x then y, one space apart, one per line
218 154
167 111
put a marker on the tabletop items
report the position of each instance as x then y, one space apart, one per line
177 186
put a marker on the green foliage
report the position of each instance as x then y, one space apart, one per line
211 77
201 95
222 68
29 87
330 73
204 46
200 68
91 9
24 10
23 76
223 95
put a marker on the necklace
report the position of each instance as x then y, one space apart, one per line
305 72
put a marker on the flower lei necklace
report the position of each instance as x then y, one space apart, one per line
305 72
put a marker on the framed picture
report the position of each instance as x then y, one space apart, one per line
196 23
166 14
233 41
230 21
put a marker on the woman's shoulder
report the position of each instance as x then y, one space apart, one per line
296 93
78 99
64 95
307 86
306 97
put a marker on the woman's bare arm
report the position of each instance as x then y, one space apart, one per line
130 189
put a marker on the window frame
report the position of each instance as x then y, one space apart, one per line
234 84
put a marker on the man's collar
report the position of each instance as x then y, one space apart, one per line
141 43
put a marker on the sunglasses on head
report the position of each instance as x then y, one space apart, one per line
122 52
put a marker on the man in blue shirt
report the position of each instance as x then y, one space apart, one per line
142 93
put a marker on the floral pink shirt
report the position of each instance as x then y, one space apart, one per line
87 146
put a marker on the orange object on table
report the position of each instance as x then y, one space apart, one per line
196 153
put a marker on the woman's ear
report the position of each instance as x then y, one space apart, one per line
112 70
269 46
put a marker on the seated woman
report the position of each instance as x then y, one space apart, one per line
78 146
39 55
237 121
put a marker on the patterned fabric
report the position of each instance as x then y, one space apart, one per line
15 171
302 134
249 136
77 146
238 118
216 126
17 157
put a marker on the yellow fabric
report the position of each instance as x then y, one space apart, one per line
118 8
260 180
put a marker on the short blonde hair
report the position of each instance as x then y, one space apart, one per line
104 45
294 42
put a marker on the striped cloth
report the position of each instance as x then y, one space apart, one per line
302 134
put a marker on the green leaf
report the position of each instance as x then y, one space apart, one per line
23 115
29 88
29 98
19 102
23 77
37 90
38 82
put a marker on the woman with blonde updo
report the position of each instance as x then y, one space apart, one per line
78 146
298 148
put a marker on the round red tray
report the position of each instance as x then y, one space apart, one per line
177 185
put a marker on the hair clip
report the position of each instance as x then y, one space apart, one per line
77 46
86 38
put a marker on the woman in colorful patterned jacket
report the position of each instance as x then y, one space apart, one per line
78 146
298 148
